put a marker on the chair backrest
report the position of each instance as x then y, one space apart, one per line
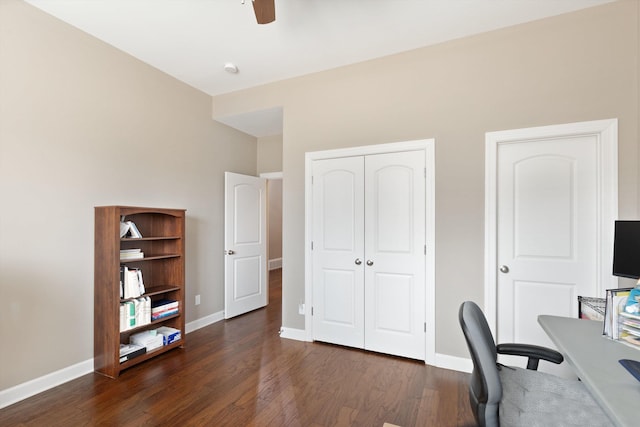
485 389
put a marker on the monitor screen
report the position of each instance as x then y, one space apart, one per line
626 249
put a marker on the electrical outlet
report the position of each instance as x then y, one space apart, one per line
197 299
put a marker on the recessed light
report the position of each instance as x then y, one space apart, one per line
231 68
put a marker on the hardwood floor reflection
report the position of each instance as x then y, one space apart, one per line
241 373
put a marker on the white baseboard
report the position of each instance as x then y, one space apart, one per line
45 382
461 364
38 385
293 334
204 321
275 263
444 361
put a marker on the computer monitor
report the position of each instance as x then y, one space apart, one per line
626 249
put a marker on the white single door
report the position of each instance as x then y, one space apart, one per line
338 251
395 254
245 244
547 218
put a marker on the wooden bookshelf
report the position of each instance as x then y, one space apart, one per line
163 244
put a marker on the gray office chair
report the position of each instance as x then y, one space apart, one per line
509 396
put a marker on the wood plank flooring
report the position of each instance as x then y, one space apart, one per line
241 373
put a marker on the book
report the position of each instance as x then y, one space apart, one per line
139 311
130 351
164 308
147 310
129 229
140 281
129 254
163 305
132 287
135 313
130 251
163 314
127 316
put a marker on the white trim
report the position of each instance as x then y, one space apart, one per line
271 175
428 145
455 363
204 321
54 379
293 334
430 241
43 383
607 132
275 264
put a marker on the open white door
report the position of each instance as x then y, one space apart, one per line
245 267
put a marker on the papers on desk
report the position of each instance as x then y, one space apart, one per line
615 302
630 328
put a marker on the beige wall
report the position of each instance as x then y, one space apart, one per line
575 67
83 124
270 154
270 160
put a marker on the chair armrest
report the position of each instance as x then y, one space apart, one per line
533 352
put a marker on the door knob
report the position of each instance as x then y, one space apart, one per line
358 261
369 262
504 269
231 252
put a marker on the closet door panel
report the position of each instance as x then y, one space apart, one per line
338 241
394 253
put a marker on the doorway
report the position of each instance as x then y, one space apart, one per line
274 219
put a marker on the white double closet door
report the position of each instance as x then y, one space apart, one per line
369 252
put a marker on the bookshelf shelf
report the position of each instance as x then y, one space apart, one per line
148 258
151 354
162 267
143 239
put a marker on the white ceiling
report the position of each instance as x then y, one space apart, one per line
193 39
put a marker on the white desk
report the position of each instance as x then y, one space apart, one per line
594 359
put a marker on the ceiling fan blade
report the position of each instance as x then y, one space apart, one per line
265 11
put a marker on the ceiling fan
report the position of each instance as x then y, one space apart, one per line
265 11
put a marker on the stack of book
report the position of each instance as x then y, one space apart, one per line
163 308
134 313
129 254
131 282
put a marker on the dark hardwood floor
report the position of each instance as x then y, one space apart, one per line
241 373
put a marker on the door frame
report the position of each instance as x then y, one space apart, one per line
606 132
428 145
273 176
